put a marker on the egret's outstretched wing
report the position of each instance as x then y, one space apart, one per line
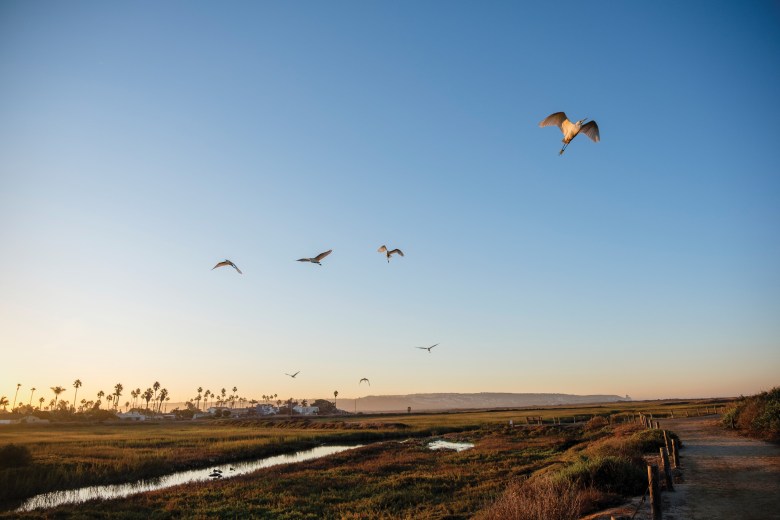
322 255
304 260
236 268
397 251
220 264
555 119
366 380
591 129
382 249
429 348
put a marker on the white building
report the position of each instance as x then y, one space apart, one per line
306 410
131 416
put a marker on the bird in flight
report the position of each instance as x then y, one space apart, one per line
366 380
293 375
388 253
427 348
227 262
570 130
316 259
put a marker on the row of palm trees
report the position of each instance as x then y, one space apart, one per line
155 394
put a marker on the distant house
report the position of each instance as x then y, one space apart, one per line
131 416
306 410
9 421
31 419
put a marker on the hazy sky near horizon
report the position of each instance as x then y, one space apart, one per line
143 142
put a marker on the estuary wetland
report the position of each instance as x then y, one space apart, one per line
594 455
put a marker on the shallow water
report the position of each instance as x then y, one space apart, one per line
76 496
447 445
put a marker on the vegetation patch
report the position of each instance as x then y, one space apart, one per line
756 416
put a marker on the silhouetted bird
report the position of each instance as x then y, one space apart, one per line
293 375
366 380
427 348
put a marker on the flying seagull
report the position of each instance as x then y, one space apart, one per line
427 348
293 375
227 262
570 130
316 259
388 253
366 380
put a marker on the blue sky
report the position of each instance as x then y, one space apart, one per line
141 143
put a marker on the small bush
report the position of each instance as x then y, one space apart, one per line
13 456
538 499
596 423
610 473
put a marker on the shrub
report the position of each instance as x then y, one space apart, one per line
610 473
758 415
13 456
538 499
596 423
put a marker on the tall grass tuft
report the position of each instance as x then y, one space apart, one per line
537 499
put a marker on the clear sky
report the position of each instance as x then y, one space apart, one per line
143 142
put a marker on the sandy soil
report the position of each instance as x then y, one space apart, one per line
722 476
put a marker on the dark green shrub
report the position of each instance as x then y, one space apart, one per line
611 474
13 456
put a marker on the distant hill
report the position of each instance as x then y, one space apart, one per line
444 401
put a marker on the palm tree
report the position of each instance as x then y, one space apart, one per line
76 385
40 402
156 387
408 409
18 386
224 394
100 396
117 392
57 391
32 391
147 395
162 397
206 399
335 395
233 397
127 405
137 395
4 402
200 396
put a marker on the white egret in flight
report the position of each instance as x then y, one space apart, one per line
227 262
389 253
570 130
316 259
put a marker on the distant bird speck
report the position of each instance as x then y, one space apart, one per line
227 262
366 380
316 259
293 375
570 130
388 253
427 348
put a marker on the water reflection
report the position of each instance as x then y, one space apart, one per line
75 496
447 445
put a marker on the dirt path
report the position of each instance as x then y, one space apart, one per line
724 477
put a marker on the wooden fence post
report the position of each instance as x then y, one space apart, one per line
655 493
667 469
666 442
675 455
